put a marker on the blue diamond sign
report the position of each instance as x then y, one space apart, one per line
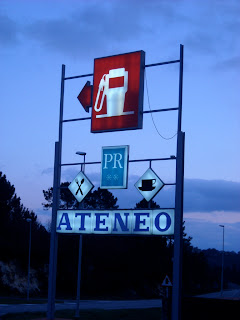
80 186
114 168
149 184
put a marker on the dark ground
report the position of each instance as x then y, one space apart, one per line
210 309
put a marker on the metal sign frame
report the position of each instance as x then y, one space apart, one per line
178 228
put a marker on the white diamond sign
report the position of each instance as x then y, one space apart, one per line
149 184
80 186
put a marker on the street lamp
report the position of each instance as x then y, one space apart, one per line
222 226
80 153
29 254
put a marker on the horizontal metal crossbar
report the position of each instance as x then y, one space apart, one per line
146 66
136 160
148 111
77 119
166 184
160 110
81 76
161 63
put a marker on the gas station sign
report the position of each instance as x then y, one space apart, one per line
116 99
117 102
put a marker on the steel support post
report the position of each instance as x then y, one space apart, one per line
56 197
79 276
178 230
53 239
222 262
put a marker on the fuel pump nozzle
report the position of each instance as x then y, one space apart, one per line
101 87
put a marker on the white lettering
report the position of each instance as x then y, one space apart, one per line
106 159
117 160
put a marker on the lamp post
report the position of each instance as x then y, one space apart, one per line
80 153
222 226
29 254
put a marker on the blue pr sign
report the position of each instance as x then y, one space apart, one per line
114 167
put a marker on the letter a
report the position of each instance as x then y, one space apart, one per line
64 223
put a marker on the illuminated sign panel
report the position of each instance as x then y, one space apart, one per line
145 222
80 186
114 168
149 184
118 92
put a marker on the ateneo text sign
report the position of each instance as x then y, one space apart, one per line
114 167
145 222
118 92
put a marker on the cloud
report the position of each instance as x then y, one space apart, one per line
8 31
232 63
211 195
217 217
199 195
208 30
87 29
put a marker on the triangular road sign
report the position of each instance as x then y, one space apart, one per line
167 282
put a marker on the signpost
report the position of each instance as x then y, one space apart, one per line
166 299
167 282
114 169
116 99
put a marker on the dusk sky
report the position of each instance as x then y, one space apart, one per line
37 37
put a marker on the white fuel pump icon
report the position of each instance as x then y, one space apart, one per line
115 96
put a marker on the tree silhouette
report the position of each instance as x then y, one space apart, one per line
14 237
144 204
100 199
67 200
97 199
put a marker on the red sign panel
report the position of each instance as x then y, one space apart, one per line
118 92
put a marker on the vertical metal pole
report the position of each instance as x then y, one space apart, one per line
79 276
29 257
56 197
83 169
222 263
53 239
178 229
180 89
61 115
79 256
